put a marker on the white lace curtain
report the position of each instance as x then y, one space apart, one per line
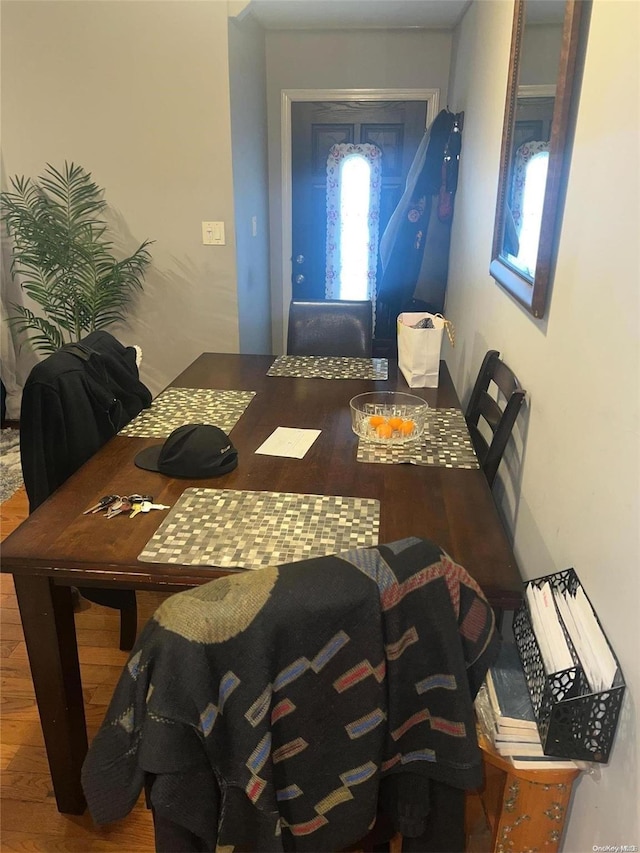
529 180
345 220
524 154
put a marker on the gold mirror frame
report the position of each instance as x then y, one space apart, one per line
532 293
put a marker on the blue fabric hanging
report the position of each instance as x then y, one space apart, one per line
414 249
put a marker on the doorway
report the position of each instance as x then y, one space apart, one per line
289 97
394 129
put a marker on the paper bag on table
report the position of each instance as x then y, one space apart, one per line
419 348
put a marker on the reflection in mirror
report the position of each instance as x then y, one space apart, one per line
528 169
548 43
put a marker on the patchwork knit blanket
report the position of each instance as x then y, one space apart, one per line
270 708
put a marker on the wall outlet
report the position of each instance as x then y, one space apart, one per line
213 234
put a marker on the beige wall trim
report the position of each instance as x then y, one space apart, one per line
547 90
288 96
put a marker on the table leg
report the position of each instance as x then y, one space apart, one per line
46 611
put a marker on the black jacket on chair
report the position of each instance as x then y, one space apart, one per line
72 403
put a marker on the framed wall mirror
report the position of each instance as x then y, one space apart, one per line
545 69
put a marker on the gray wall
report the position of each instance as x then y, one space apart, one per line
138 94
247 74
541 48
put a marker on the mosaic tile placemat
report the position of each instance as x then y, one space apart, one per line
444 442
329 367
230 528
177 406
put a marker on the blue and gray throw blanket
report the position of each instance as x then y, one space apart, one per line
271 709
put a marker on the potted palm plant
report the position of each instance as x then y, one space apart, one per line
63 258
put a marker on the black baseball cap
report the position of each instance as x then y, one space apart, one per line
192 451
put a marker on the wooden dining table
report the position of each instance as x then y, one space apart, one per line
58 546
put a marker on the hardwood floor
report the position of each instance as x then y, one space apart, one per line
29 820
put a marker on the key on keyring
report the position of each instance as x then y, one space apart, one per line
136 503
103 503
113 509
123 505
138 499
147 506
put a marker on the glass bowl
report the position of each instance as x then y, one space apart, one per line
388 417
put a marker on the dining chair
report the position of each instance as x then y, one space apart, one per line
321 687
496 409
339 327
73 402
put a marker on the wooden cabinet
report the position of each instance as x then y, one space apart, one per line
517 811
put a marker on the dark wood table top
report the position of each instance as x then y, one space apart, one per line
453 507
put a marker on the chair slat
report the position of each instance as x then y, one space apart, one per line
500 418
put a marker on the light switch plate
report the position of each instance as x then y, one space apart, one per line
213 234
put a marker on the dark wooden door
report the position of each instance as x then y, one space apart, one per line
396 127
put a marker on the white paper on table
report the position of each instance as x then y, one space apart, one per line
287 441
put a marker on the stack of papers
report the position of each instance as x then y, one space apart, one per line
546 607
546 626
591 646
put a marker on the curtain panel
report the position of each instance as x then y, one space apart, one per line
343 220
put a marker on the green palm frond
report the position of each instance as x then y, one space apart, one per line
62 256
44 336
72 198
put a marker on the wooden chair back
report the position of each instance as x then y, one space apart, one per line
330 328
500 416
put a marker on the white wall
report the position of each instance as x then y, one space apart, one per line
138 94
574 501
352 59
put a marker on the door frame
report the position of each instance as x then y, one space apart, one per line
287 97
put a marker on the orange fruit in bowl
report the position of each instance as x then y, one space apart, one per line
395 422
407 427
384 430
377 420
